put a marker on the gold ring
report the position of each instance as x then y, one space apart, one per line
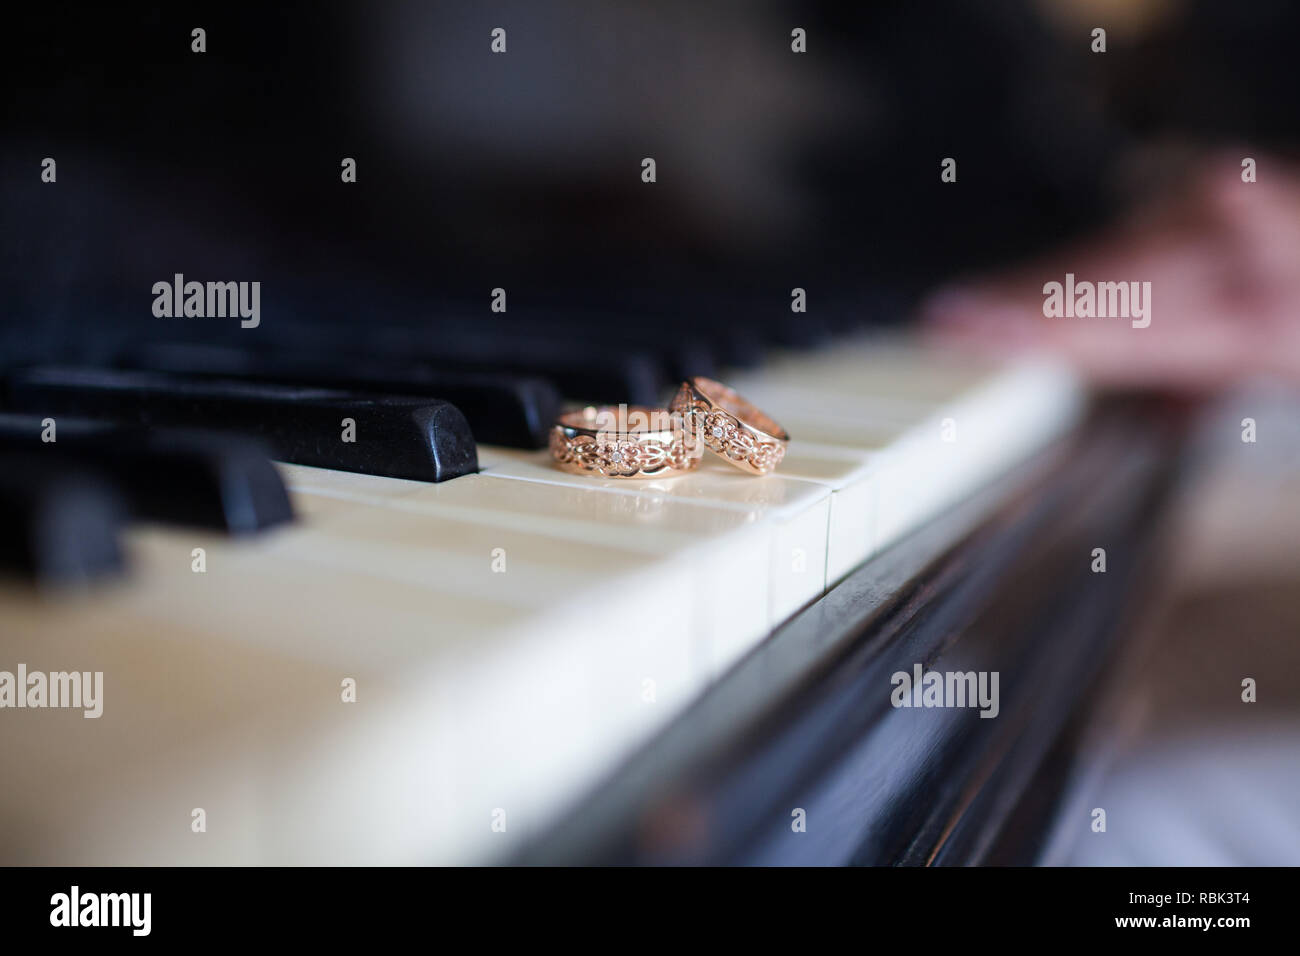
621 441
729 425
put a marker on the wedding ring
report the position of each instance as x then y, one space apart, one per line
621 441
729 425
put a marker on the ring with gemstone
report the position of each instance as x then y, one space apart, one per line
621 441
729 425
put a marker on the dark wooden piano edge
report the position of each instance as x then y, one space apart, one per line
1000 582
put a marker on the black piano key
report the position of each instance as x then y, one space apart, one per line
174 475
393 436
56 526
778 327
584 364
735 343
675 309
681 352
505 410
677 332
592 354
582 367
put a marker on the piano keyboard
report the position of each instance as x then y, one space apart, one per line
508 635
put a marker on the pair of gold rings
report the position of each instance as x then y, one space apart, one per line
636 441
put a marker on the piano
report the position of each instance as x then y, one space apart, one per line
332 599
443 671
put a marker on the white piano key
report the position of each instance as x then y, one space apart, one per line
969 442
714 482
996 418
322 491
852 477
794 514
892 372
523 705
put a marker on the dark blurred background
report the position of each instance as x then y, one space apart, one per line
522 170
